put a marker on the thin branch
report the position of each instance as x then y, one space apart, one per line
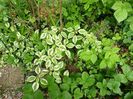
61 23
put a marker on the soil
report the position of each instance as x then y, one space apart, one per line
11 78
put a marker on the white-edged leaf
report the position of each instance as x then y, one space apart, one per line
58 80
70 35
49 40
37 70
74 39
7 24
31 78
35 86
60 37
43 81
65 41
64 34
61 64
62 47
50 51
58 56
70 45
54 60
43 36
82 31
43 73
78 46
56 74
56 67
79 37
68 53
48 63
66 73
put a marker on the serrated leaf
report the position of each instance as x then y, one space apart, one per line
31 78
70 45
65 41
120 14
74 39
93 58
43 81
35 86
37 70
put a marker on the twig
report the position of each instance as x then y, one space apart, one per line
61 23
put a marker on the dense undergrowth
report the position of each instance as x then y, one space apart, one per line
69 49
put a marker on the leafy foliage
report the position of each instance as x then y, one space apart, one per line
90 57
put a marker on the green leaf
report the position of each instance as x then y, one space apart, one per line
35 86
65 87
66 95
131 26
38 95
78 94
130 75
114 86
103 64
31 79
121 14
85 55
117 5
121 78
93 58
37 70
43 81
128 95
53 89
85 76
